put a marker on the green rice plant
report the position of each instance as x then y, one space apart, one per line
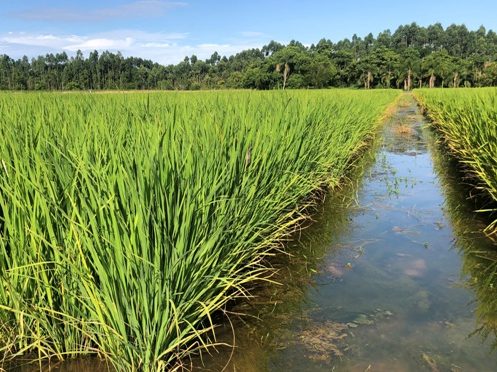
467 120
128 220
479 254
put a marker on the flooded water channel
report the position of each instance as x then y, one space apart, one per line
392 276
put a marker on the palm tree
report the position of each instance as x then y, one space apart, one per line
286 72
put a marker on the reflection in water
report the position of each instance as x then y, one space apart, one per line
81 364
275 307
479 253
375 284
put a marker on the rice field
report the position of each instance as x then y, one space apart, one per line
467 121
128 221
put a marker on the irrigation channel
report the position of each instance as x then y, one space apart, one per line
382 280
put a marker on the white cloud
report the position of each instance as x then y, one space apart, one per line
155 45
165 48
101 43
251 34
43 40
139 8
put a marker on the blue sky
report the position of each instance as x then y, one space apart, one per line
167 30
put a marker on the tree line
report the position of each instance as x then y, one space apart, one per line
412 56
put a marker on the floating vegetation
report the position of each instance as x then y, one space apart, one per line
324 341
430 362
404 130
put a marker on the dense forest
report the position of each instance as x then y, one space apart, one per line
412 56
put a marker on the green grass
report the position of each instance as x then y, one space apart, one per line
467 120
128 220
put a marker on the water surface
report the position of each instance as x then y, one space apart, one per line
389 278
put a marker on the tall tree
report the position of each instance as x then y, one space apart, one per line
409 57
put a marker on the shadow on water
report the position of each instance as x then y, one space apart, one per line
478 253
393 276
89 364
